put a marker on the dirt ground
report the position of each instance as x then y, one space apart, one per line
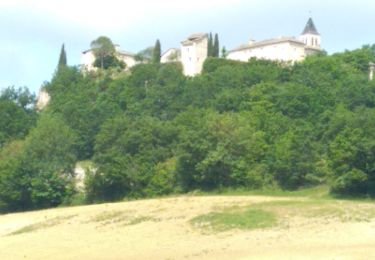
160 229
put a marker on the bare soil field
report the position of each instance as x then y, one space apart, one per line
163 229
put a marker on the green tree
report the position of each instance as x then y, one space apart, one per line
210 46
216 46
156 54
145 55
17 114
62 59
104 50
223 52
37 172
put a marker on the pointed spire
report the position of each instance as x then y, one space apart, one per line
310 28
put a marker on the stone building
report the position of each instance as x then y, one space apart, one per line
194 53
88 58
285 49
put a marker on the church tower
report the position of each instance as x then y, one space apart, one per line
310 37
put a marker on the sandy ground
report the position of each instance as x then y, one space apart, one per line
161 230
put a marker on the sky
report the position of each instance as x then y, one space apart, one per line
32 31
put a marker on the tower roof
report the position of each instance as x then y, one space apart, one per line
310 28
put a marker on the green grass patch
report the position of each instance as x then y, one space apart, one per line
321 191
283 213
234 219
41 225
140 219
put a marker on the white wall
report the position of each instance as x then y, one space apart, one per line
311 40
129 60
87 60
170 53
193 57
284 51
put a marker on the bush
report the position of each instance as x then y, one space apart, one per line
353 182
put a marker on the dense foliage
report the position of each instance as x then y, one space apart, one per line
154 131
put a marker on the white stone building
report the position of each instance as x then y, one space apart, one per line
171 55
42 100
88 58
285 49
194 53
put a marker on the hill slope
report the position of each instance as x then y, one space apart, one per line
161 229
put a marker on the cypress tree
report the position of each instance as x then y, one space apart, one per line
216 47
210 46
62 58
157 52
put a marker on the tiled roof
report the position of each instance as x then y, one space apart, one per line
310 28
267 42
195 37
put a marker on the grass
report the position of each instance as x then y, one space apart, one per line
280 213
321 191
41 225
112 217
236 219
141 219
109 216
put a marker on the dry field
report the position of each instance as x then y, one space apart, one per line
164 229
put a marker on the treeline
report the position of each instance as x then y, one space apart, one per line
154 131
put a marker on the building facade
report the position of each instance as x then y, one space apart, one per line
171 55
284 49
194 53
88 59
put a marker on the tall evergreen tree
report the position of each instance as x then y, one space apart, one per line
157 52
62 59
210 46
216 47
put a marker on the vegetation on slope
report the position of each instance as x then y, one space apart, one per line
153 131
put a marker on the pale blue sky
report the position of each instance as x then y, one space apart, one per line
32 31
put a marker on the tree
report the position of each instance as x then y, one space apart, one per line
223 52
17 114
37 172
216 46
62 59
103 48
157 52
145 55
210 46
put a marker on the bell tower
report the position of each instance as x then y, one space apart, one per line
310 35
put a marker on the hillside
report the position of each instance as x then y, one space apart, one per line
152 131
163 229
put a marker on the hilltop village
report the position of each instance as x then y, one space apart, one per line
193 50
